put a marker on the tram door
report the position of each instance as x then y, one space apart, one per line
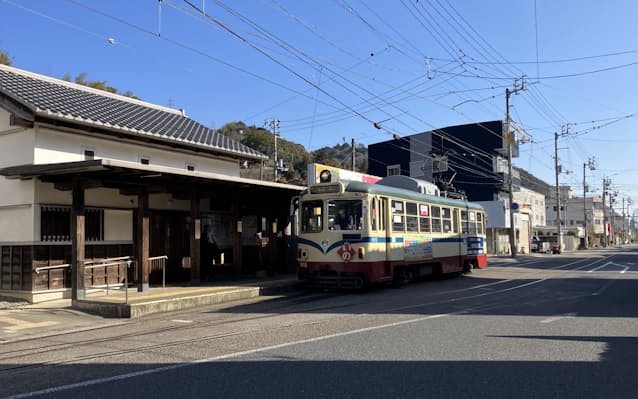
384 232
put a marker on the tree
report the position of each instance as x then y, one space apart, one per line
97 84
5 59
295 157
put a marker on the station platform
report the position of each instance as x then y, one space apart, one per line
115 304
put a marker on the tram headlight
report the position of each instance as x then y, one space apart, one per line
325 176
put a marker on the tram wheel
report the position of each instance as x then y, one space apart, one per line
402 277
467 267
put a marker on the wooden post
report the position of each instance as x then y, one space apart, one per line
142 242
195 239
237 245
77 242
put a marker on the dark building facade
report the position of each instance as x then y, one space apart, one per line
465 160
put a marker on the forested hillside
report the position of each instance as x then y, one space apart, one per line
294 156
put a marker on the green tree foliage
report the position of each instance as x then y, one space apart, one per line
97 84
296 158
5 59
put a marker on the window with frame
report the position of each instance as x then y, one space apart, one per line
55 223
424 218
436 218
455 220
311 216
373 214
446 220
398 221
411 218
345 215
393 170
89 154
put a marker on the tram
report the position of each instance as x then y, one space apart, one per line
351 233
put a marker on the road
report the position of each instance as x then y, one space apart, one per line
537 327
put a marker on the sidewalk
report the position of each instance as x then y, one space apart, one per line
172 298
21 320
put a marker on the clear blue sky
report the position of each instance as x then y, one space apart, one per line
328 68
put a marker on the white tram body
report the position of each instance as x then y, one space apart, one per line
353 233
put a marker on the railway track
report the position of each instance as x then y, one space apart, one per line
29 357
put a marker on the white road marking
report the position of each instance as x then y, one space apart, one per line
182 321
559 317
600 267
120 377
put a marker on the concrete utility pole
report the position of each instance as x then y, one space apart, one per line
591 162
354 157
509 138
558 222
564 131
275 131
606 184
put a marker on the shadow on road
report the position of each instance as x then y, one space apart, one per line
265 375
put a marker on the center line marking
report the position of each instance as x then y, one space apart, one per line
558 317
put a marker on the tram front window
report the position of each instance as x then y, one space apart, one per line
311 216
345 215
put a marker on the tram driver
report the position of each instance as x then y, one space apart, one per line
344 221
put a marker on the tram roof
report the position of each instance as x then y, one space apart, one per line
378 189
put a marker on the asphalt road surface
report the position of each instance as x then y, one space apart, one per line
538 327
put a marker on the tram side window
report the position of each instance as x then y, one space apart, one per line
398 221
480 227
424 218
345 215
455 220
471 223
311 216
373 214
436 219
464 227
411 218
446 217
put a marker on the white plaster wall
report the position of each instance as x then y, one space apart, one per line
45 193
55 146
166 202
118 225
16 148
4 120
16 224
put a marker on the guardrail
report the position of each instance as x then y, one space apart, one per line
121 261
43 268
155 263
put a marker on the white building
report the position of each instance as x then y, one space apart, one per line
573 211
142 178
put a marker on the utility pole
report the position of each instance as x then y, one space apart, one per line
564 131
558 222
354 159
591 162
275 129
509 138
606 184
622 236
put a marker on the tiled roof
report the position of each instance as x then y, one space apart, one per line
58 99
